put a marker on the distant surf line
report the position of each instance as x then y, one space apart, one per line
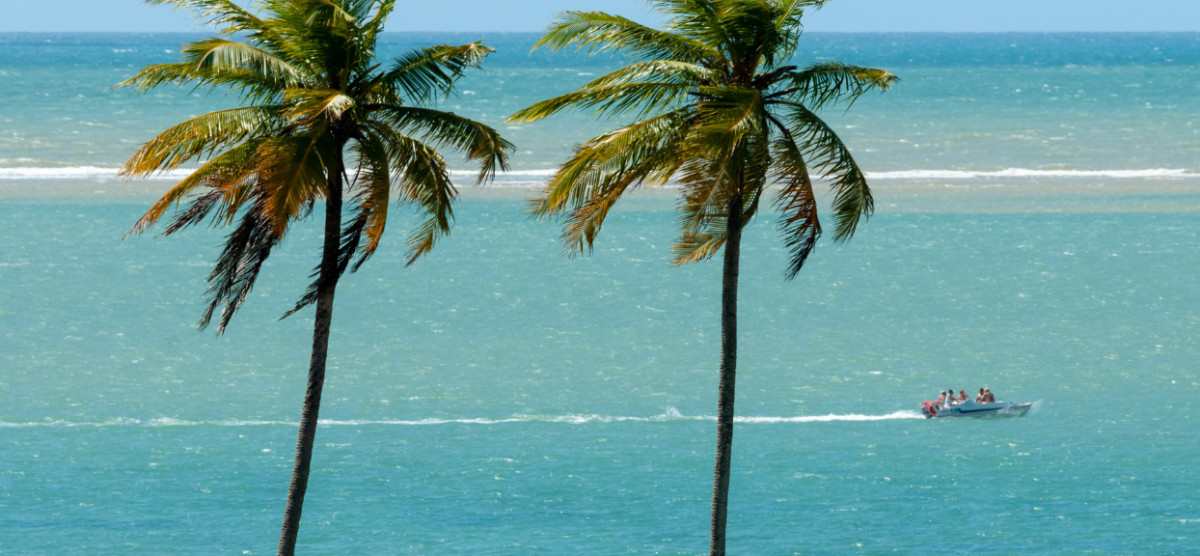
539 176
671 415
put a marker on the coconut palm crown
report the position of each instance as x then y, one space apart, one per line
719 108
725 114
313 94
321 120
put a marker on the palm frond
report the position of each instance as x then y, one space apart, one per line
649 144
360 236
650 158
220 62
693 247
595 32
691 17
201 136
292 170
479 142
308 105
373 27
751 39
428 72
324 13
222 174
730 112
424 181
852 200
374 186
638 98
658 71
828 83
246 249
230 17
723 154
797 205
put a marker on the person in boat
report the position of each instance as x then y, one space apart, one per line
950 397
988 397
979 397
940 402
962 396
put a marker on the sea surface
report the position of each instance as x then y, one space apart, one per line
1037 233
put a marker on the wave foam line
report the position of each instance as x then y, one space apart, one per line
1027 173
540 176
81 173
670 415
100 172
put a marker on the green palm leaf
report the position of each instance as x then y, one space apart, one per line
799 222
432 71
852 197
596 32
220 62
638 98
826 83
230 17
424 182
650 145
480 143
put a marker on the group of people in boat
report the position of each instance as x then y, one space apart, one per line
948 399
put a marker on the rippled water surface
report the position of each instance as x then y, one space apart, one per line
1039 211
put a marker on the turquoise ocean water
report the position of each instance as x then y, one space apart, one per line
1037 227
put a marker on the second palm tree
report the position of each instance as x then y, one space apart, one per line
723 114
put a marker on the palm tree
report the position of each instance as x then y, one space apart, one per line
321 120
719 110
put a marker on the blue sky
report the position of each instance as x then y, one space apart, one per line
532 15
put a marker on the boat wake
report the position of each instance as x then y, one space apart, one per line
670 415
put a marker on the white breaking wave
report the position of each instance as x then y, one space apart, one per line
538 177
671 414
100 172
81 173
1027 173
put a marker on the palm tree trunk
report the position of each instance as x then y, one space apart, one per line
720 503
316 367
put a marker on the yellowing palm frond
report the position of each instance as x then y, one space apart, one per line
307 106
200 136
424 181
221 174
292 171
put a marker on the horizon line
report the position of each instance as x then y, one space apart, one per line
864 32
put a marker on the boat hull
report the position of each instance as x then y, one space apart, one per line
972 409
